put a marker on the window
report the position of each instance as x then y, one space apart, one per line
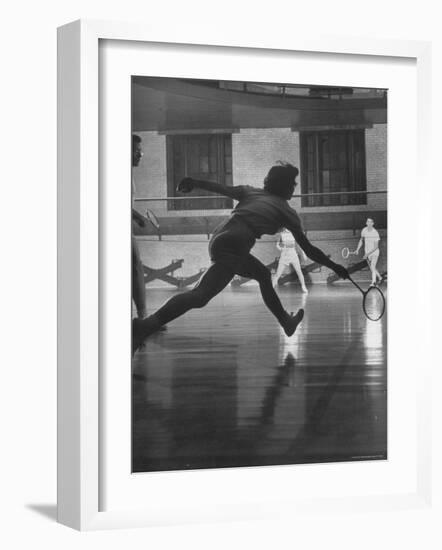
333 161
200 156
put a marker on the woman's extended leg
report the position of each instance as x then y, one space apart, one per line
211 283
254 269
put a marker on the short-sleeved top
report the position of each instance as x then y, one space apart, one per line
287 240
264 213
371 239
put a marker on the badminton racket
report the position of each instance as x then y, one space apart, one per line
373 301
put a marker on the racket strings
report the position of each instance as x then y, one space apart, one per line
374 304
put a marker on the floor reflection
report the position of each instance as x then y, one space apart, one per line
226 387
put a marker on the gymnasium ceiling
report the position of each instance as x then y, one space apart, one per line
168 104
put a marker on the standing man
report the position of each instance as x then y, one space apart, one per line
370 239
138 286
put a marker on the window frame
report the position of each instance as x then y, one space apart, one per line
191 205
351 134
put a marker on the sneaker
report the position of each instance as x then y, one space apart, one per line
292 322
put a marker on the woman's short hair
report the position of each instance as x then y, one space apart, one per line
280 179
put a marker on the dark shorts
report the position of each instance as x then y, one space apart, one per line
231 243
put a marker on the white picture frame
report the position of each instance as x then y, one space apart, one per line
79 475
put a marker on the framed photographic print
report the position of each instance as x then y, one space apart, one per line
231 244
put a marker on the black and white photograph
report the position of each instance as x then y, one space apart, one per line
259 273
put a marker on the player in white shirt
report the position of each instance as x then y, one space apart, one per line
370 239
289 257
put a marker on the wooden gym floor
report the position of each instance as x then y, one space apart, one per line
224 386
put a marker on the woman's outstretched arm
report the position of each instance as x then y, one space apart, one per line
313 252
188 184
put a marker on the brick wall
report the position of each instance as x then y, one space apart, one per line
256 150
253 152
376 162
150 176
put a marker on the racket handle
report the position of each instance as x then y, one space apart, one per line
355 284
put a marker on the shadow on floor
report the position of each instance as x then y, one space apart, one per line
49 511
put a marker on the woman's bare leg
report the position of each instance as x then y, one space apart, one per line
254 269
214 280
297 267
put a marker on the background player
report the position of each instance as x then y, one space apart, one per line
370 239
289 257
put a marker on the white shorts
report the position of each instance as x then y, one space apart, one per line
289 256
373 256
